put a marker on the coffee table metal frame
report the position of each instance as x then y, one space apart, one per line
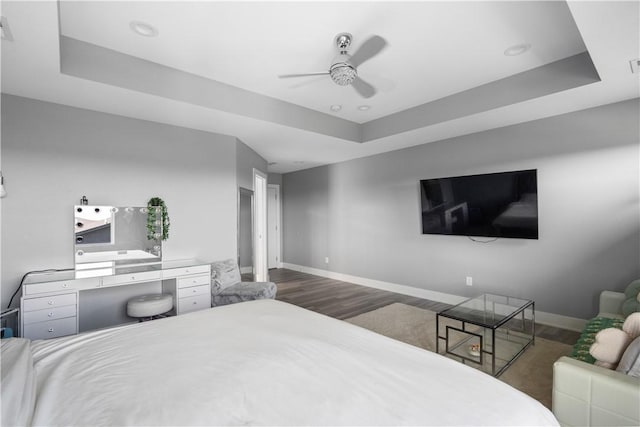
490 322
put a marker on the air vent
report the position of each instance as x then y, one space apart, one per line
635 65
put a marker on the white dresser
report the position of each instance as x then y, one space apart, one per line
50 301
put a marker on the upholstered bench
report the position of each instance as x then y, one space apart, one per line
149 306
227 287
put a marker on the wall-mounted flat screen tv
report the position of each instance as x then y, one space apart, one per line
501 204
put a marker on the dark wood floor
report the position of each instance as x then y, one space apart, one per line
343 300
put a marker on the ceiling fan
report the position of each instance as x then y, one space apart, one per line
344 67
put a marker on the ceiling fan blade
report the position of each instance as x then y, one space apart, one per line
363 88
368 50
307 82
286 76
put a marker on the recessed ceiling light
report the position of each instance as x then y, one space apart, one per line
517 49
335 108
143 29
364 107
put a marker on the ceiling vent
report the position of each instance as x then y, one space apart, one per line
635 65
5 31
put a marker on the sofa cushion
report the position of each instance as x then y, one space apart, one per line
632 302
630 362
633 289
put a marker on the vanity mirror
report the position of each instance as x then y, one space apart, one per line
109 236
245 231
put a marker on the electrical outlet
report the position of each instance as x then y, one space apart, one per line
326 260
469 281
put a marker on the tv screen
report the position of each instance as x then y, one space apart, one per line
501 204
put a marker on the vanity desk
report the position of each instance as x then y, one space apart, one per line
50 301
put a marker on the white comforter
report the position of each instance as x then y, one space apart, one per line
263 363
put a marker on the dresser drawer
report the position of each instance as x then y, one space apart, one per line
194 290
51 329
185 282
200 302
186 271
120 279
49 314
41 303
61 285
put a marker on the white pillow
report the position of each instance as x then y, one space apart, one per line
18 382
630 362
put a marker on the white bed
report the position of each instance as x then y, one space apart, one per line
257 363
520 214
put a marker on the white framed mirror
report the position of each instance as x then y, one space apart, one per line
245 231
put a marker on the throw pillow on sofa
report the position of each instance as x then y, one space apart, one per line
632 302
611 343
630 362
609 347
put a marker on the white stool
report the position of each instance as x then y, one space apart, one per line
147 306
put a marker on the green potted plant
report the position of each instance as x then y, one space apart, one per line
157 218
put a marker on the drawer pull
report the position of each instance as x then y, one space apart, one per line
133 277
194 290
195 302
50 314
65 285
50 302
50 329
187 270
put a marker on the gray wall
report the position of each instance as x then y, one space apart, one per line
364 214
246 161
274 178
53 154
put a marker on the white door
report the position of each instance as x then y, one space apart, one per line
260 226
273 225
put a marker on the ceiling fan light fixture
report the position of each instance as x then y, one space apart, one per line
343 74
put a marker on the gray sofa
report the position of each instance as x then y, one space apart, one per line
589 395
228 288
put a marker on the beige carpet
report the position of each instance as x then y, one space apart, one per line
531 372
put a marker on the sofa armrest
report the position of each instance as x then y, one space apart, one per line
588 395
611 304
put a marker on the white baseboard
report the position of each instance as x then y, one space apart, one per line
551 319
560 321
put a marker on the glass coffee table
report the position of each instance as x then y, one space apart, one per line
490 331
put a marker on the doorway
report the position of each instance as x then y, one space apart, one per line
273 226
